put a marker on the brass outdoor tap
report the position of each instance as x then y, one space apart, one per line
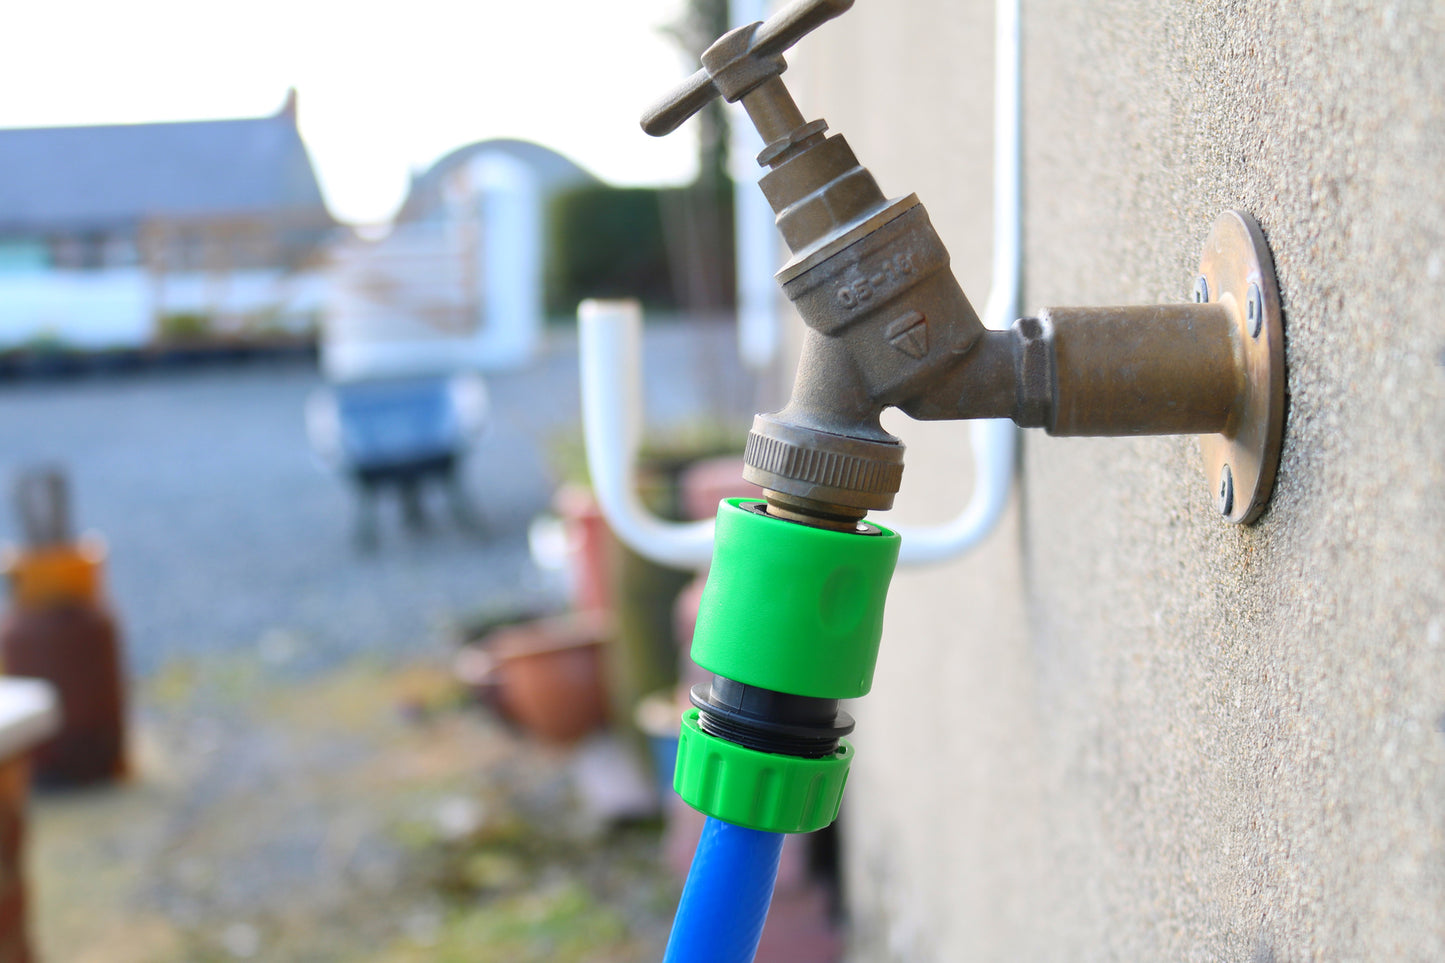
889 325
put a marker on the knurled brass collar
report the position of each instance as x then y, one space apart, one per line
822 467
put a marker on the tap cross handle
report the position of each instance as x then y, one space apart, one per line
740 61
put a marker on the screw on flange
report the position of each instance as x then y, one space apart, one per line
1201 290
1254 310
1226 491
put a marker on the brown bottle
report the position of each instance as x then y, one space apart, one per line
59 629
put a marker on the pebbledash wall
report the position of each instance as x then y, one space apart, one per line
1123 729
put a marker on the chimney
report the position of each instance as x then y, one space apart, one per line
288 109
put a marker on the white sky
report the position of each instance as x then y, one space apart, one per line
384 87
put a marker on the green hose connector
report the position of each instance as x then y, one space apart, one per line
766 791
796 610
793 608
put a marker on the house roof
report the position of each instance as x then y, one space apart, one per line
115 177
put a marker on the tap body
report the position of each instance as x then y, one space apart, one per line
888 325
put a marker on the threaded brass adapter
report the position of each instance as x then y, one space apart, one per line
821 467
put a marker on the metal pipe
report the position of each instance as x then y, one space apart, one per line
1166 369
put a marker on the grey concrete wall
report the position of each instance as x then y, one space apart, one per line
1123 729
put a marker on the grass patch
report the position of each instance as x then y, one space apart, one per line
561 924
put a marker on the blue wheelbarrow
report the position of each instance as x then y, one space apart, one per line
400 434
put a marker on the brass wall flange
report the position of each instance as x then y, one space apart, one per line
1237 272
1213 368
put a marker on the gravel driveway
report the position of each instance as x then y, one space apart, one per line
226 536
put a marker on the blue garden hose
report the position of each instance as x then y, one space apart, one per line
725 901
788 625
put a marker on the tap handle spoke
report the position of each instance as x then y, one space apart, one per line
761 46
794 22
692 95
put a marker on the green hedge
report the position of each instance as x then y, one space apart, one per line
610 242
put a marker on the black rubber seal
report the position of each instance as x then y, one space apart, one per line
769 721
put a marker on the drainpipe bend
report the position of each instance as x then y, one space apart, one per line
610 338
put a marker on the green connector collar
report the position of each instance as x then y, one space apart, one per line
758 790
793 608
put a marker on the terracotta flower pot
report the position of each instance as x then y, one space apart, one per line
548 676
589 546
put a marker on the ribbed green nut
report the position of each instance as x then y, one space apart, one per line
793 608
758 790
